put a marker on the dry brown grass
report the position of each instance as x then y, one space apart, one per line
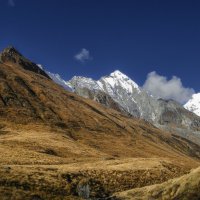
40 161
186 187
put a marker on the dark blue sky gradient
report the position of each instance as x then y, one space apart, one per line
136 37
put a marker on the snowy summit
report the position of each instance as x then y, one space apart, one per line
193 104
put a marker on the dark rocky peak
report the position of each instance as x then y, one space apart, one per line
10 50
11 55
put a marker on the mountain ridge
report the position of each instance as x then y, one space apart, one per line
132 98
119 92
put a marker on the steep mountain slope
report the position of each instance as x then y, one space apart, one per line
54 143
193 104
28 96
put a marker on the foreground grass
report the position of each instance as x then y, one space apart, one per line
103 178
186 187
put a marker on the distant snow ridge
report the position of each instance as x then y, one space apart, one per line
117 79
133 99
56 78
83 82
193 104
106 84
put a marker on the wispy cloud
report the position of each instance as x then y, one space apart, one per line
11 3
83 55
161 87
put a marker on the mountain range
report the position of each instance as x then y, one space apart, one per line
56 144
121 93
109 86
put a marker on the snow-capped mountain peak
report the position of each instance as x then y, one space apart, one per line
118 79
193 104
118 74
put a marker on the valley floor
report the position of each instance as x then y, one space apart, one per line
39 162
102 177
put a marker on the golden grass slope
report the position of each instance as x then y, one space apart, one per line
183 188
47 163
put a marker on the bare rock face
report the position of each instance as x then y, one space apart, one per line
101 97
83 189
173 113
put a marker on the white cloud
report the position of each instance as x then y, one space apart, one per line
11 3
160 87
83 55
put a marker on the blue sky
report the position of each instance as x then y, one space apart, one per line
136 37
